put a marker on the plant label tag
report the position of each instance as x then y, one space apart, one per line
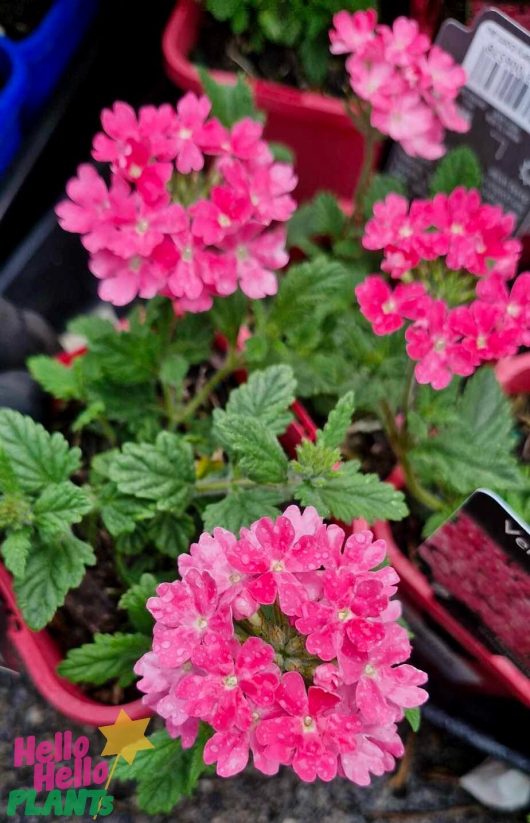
478 563
496 99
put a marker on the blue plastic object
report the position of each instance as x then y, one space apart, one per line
47 50
13 92
30 68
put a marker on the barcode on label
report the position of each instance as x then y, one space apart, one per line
498 67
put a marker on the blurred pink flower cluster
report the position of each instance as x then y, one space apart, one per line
192 211
454 258
286 642
474 569
410 84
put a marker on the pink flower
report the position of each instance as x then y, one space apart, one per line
271 558
385 308
229 674
257 256
383 688
221 215
124 279
185 612
267 188
399 76
218 657
352 31
192 112
482 334
432 341
513 306
138 148
309 734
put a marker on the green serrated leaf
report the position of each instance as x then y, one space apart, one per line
333 434
171 535
8 479
459 167
173 370
162 472
242 508
89 415
57 379
15 550
109 656
266 396
52 569
321 217
166 773
134 602
349 494
36 457
58 507
230 102
257 450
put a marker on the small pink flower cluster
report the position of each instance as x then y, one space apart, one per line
313 679
189 208
452 249
474 569
410 84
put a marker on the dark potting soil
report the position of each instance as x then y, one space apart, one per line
18 18
219 48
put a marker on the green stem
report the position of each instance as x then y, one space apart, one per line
231 364
371 140
395 438
218 487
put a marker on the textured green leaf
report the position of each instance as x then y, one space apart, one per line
334 431
54 377
8 480
109 656
257 450
162 471
266 397
459 167
230 102
241 508
134 600
166 773
321 217
15 550
173 370
37 457
59 506
350 494
52 569
171 535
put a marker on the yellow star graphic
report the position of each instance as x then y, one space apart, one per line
126 737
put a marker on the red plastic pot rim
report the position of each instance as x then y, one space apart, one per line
178 40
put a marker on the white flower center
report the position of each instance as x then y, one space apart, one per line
230 681
142 226
185 134
457 228
224 221
439 344
135 171
201 623
277 566
369 670
187 254
235 578
344 615
309 723
513 310
389 306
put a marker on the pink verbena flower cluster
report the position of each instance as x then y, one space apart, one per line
453 257
285 641
470 565
192 210
410 85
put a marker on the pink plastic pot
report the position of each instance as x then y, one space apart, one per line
328 149
500 673
40 655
